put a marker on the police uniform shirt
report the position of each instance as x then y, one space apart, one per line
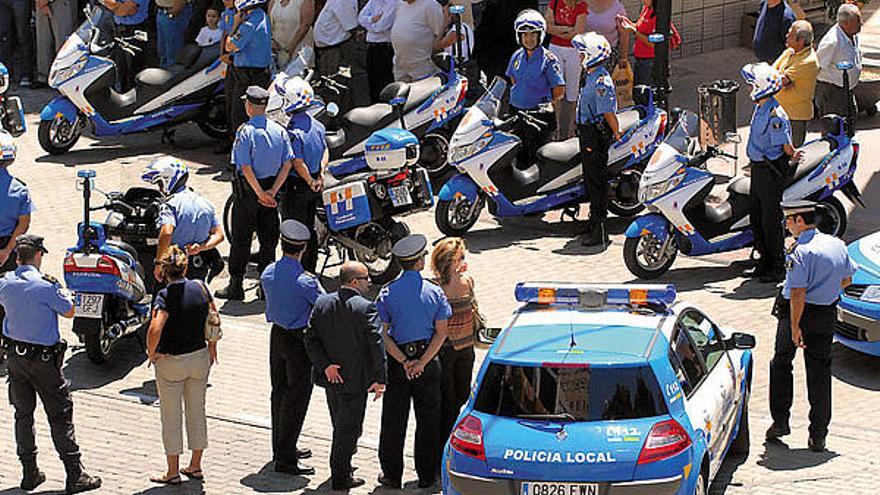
769 133
143 8
597 97
263 144
191 215
307 140
290 293
33 304
227 19
253 41
534 77
15 201
410 305
819 263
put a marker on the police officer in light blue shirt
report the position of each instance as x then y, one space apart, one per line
291 293
414 312
251 47
261 156
818 268
36 353
129 16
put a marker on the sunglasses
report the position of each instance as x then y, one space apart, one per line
362 278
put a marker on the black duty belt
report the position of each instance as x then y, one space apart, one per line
414 350
32 351
289 330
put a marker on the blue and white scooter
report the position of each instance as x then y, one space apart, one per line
485 154
11 110
84 73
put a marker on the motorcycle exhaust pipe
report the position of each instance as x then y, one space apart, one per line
118 329
851 191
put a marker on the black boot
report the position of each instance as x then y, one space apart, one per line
233 291
596 237
79 481
31 476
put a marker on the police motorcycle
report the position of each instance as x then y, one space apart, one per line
486 155
84 73
11 110
106 268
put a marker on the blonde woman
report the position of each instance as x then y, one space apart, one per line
176 346
457 355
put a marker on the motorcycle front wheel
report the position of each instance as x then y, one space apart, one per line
58 135
643 257
456 216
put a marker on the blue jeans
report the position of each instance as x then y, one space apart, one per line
15 32
170 33
642 71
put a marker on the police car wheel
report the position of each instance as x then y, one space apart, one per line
58 135
832 217
740 444
643 257
455 217
700 488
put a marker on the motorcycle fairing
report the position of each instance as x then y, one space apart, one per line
62 105
459 184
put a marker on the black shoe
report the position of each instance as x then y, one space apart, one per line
816 444
596 237
83 483
390 483
31 478
772 277
427 483
344 485
297 469
303 453
232 292
776 431
755 272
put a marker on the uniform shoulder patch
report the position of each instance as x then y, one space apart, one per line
51 279
606 80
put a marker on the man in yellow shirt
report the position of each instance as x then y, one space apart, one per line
800 67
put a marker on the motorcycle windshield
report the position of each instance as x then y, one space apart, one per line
298 64
490 103
98 27
685 129
675 144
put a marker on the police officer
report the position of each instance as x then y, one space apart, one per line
302 191
597 128
414 313
36 352
129 16
817 269
15 214
261 157
536 81
291 293
769 150
185 219
251 49
227 21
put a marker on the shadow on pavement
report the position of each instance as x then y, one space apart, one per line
267 480
863 221
777 456
86 375
724 476
187 487
147 393
701 278
519 230
854 368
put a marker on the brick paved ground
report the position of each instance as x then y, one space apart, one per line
116 405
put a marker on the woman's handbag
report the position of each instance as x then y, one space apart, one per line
479 318
213 332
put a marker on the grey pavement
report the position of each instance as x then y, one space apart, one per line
116 412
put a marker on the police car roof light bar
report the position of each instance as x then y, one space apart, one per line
595 295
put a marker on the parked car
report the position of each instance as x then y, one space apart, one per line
858 314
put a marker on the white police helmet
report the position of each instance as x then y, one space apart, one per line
297 94
7 148
765 80
247 4
169 173
4 78
594 47
530 21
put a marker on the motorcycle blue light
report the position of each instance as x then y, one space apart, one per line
595 295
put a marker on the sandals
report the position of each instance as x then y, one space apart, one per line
162 480
195 474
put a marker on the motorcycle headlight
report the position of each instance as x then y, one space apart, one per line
461 153
871 294
58 75
654 191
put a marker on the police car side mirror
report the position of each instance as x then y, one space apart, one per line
741 341
332 109
487 336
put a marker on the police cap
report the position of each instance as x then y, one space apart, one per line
797 207
31 240
293 232
256 95
410 248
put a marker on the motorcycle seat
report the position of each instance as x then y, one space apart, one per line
189 61
125 247
814 153
415 92
740 185
335 139
368 116
628 119
559 151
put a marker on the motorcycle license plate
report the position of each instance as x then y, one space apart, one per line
89 305
400 196
550 488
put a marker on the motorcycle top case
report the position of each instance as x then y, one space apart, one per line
347 205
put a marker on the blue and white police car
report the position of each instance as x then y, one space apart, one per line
858 313
602 390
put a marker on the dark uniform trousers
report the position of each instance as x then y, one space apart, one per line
817 326
455 387
594 140
290 372
242 77
380 68
249 216
300 203
347 411
425 394
128 65
533 138
31 376
767 183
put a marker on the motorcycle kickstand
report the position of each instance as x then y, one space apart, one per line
168 137
570 211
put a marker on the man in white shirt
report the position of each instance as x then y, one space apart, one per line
377 17
840 43
333 35
418 25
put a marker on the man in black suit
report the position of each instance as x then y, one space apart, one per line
344 342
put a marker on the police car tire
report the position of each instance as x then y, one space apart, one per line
700 487
741 443
92 339
441 217
833 205
630 258
46 141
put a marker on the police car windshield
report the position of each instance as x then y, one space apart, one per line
562 393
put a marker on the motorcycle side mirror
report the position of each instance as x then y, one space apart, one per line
845 65
332 109
656 38
457 9
141 36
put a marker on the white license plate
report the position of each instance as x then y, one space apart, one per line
400 196
550 488
89 305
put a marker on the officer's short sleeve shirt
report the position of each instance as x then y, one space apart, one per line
533 78
32 305
819 263
770 131
290 293
597 96
307 139
15 201
263 145
191 215
253 41
410 306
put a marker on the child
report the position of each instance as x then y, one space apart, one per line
211 33
596 127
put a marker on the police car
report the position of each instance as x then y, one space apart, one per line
858 313
602 389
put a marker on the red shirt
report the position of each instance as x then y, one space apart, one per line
646 25
565 16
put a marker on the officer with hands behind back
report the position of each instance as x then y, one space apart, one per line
261 157
414 312
36 352
291 293
770 152
597 128
817 269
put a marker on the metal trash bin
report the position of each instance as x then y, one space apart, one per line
717 111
